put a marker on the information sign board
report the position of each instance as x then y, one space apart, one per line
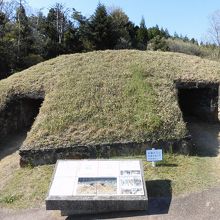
154 155
97 177
97 186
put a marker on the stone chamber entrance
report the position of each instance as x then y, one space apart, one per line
199 105
15 121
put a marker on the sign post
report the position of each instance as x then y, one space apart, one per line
153 164
154 156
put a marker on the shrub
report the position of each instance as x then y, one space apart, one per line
178 45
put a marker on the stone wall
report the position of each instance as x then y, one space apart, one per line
51 155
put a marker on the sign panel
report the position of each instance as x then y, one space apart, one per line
154 155
97 178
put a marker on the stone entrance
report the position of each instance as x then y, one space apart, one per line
199 105
198 101
19 115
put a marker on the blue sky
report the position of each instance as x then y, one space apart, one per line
188 17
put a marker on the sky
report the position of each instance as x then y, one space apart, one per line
186 17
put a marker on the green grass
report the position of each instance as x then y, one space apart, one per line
179 174
107 96
27 188
141 95
175 175
184 172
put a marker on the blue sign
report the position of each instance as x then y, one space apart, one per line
154 155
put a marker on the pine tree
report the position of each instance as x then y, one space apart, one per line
72 42
153 32
122 26
142 35
24 35
101 30
176 35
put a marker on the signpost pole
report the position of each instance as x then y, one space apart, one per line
153 162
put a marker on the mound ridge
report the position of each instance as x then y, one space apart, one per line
107 97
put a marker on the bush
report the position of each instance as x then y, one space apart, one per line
32 59
158 43
178 45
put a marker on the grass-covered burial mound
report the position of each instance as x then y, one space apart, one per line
107 103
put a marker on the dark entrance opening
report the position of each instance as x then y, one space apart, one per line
16 120
199 105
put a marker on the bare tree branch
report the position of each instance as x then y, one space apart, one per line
214 30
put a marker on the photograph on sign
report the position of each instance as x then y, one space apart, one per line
88 186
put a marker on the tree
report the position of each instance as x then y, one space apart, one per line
38 24
83 30
165 33
153 32
23 30
176 35
101 29
133 29
9 8
7 39
72 40
158 43
24 36
214 29
2 24
1 5
122 26
57 23
194 41
61 22
142 35
54 30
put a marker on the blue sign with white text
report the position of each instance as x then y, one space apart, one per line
154 155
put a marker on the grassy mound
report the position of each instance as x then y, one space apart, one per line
107 97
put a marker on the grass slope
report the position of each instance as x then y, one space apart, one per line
108 96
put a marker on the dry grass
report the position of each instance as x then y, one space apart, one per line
107 96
